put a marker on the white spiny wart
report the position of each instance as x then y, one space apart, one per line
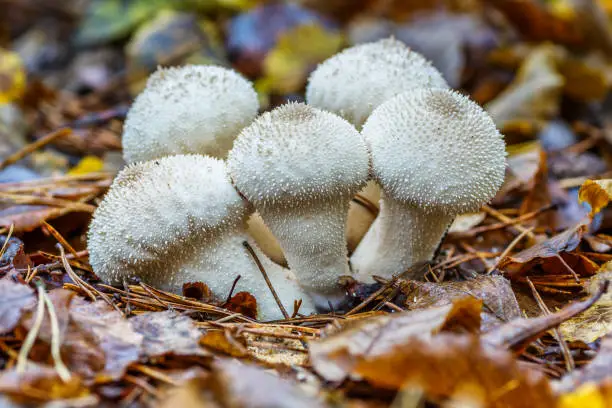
179 219
436 154
300 166
355 81
190 109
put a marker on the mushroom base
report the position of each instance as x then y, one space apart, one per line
401 236
312 238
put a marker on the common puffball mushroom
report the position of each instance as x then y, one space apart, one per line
179 219
355 81
300 166
189 109
436 154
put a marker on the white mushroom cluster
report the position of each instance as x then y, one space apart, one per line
180 213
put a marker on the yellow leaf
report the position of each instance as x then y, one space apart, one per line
12 76
596 322
88 164
297 51
597 193
535 93
587 395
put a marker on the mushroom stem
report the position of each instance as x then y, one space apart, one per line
313 245
401 236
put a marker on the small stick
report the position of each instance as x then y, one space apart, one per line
6 241
50 201
60 367
367 204
502 217
231 292
28 343
265 275
60 238
567 355
76 278
510 248
371 297
569 268
15 157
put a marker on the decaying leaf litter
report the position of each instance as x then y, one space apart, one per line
513 310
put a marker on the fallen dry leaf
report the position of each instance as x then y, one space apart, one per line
14 299
596 372
39 384
519 333
237 385
457 369
167 333
499 303
334 356
562 244
97 342
596 322
597 193
535 93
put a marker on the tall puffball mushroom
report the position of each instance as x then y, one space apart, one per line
190 109
436 154
179 219
356 81
300 167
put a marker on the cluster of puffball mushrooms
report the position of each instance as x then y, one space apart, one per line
207 175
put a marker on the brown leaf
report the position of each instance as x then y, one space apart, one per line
596 322
39 384
221 341
499 303
536 23
14 255
535 93
519 333
237 385
597 371
459 368
334 356
97 342
518 264
243 302
167 333
14 299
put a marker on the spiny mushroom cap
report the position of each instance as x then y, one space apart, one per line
437 150
190 109
295 154
354 82
155 212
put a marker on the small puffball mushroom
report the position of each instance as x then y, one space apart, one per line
355 81
179 219
436 154
300 167
190 109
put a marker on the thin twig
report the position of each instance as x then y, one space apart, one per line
570 365
493 212
28 343
15 157
265 275
60 238
6 241
75 278
510 248
60 367
373 296
569 268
